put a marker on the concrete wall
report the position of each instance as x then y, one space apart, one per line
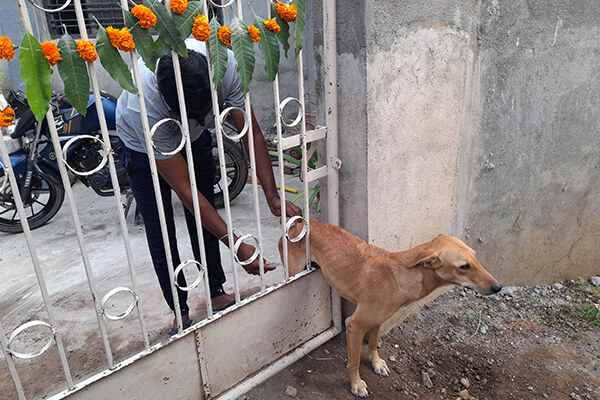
476 118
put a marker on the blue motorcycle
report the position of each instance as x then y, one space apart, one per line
37 173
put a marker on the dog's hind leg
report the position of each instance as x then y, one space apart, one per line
354 336
379 365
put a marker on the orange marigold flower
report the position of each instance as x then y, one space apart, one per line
7 117
225 34
121 39
254 32
145 15
201 29
7 51
287 12
87 50
178 6
272 25
50 50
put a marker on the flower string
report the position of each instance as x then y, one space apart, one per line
7 117
201 29
287 12
7 51
225 34
87 50
178 6
272 25
50 50
145 15
254 33
121 39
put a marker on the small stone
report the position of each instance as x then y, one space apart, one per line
431 372
465 382
574 396
327 352
464 394
426 380
455 319
483 329
530 388
595 280
430 364
291 391
392 359
558 286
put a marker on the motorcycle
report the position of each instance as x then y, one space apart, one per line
36 169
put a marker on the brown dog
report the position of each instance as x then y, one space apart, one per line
379 283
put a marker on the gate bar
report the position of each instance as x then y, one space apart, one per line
4 345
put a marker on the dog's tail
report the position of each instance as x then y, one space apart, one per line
296 250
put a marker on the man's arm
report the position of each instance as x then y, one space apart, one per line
264 169
175 171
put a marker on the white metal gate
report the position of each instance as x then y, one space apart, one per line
231 351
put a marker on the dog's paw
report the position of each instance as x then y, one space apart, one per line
380 367
360 389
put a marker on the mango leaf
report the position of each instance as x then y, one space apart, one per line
74 74
35 72
166 27
299 27
284 33
185 21
243 50
218 52
161 47
269 48
144 43
112 62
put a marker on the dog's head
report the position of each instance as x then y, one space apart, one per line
455 262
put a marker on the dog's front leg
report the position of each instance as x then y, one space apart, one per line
354 336
379 365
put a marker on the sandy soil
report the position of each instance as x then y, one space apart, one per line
531 342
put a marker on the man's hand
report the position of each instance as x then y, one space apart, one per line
245 252
291 209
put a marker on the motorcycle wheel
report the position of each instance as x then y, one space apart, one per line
237 171
45 199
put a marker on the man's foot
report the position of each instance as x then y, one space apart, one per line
185 321
222 302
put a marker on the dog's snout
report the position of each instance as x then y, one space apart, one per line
496 287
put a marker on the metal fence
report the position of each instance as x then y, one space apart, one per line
103 314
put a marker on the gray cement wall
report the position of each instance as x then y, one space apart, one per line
475 118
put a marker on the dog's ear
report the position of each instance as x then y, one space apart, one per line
425 258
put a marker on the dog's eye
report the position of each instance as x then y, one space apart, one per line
466 266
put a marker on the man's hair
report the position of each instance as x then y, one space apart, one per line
196 84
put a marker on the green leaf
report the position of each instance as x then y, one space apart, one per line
243 50
74 74
299 28
269 48
284 33
112 62
144 43
185 21
161 47
218 52
35 72
166 27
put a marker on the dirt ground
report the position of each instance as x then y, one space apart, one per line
529 342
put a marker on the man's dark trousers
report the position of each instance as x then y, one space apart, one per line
140 180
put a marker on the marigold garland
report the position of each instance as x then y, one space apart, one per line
7 51
145 15
7 117
287 12
225 34
272 25
50 50
87 50
254 33
201 29
121 39
178 6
